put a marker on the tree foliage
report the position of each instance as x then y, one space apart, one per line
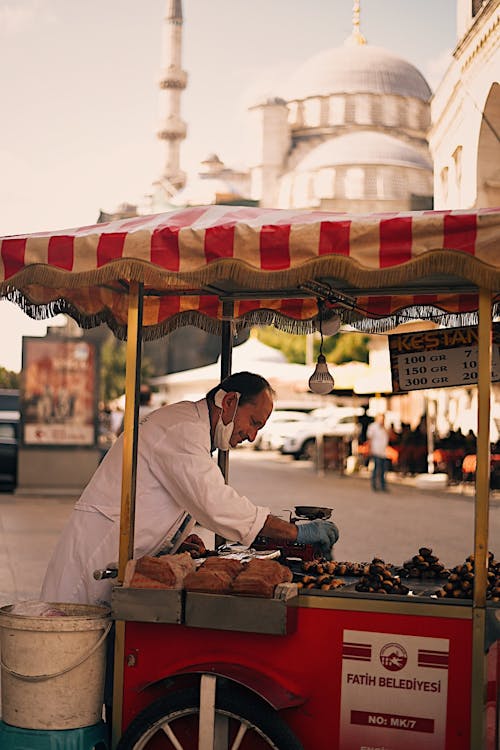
112 369
9 378
347 347
343 347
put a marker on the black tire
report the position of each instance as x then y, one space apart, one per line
179 712
308 450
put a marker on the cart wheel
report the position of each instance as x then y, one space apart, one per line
226 720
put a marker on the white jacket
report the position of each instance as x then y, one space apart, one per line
175 473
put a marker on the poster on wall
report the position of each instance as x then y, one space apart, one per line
439 358
394 691
58 392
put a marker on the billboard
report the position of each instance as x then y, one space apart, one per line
58 393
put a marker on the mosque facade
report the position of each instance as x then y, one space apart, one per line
349 133
356 128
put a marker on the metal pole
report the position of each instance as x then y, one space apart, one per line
478 686
430 411
129 469
226 363
130 425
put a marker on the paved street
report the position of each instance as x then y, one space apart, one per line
391 526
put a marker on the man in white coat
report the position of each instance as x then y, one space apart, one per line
178 484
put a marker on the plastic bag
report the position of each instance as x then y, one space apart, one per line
37 609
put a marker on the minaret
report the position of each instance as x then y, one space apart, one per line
172 82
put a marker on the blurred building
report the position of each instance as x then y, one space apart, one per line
465 133
465 143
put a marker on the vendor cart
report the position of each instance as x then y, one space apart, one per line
335 669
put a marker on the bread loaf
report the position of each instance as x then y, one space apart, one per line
208 581
232 567
169 570
139 581
260 578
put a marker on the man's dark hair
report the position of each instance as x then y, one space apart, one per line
248 384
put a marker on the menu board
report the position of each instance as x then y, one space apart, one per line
439 358
394 691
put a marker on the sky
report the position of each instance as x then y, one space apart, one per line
79 92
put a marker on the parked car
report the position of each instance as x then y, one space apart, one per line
340 421
280 424
9 436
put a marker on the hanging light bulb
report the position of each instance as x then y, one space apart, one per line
321 381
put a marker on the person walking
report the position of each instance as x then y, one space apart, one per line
378 438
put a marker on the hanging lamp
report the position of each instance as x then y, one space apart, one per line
321 381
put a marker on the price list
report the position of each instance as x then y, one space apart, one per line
444 368
438 359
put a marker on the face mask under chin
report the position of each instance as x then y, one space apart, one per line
223 432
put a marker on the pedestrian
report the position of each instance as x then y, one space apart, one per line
378 438
178 484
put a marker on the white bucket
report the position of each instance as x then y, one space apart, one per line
53 668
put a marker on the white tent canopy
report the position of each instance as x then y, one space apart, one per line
289 380
286 378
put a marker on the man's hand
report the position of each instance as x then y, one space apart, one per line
322 533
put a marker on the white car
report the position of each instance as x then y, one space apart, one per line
341 421
280 424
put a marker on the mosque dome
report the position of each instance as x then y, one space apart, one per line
357 68
206 191
363 147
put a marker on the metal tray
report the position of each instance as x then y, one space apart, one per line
312 512
239 613
147 605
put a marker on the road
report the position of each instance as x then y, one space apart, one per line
392 526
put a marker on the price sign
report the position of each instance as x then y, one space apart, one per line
439 358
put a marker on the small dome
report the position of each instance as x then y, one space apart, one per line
205 191
363 147
212 159
357 68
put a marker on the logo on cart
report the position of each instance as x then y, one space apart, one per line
393 657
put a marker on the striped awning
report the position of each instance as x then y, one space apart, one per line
418 264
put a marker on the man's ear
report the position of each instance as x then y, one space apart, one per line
230 399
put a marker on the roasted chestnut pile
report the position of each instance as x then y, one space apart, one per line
375 577
379 577
380 580
460 584
321 575
424 565
319 567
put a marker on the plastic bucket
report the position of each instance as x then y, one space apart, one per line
53 668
